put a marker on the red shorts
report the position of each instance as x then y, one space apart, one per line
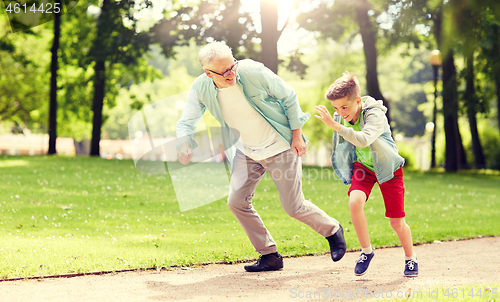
393 190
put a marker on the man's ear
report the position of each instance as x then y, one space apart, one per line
358 99
208 73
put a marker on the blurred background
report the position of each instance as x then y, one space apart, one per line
70 85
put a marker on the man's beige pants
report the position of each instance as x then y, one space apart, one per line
285 170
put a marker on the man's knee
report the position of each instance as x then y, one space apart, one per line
293 209
238 201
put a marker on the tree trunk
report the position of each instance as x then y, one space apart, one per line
234 30
369 36
455 152
99 81
53 84
270 34
434 118
497 84
99 88
471 99
449 87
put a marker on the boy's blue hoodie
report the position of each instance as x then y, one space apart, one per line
376 134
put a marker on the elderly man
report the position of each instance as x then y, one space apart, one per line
248 97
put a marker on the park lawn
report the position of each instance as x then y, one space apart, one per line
61 215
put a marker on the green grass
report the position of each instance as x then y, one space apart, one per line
63 215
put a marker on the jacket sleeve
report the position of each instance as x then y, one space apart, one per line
375 121
287 96
186 125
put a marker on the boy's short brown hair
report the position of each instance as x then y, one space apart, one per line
345 86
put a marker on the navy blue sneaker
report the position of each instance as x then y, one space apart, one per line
362 263
411 268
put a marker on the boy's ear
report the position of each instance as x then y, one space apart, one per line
358 99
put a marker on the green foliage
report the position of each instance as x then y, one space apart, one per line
137 96
22 81
186 56
490 140
331 19
402 74
312 88
205 21
126 64
407 151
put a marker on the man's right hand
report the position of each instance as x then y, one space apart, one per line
185 154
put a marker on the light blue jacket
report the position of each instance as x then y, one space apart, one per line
376 134
266 92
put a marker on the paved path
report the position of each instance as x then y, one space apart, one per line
445 265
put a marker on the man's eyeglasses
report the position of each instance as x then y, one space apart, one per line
226 73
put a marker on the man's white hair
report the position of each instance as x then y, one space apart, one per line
211 51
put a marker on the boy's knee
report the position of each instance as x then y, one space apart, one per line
398 224
357 200
356 204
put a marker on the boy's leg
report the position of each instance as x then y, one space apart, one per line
357 200
362 183
404 234
393 192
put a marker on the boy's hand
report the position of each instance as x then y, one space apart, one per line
325 116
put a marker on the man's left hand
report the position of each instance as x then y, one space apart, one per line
299 146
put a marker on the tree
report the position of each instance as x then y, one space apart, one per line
336 20
270 34
235 27
435 14
22 77
468 16
53 83
488 52
222 21
114 43
455 153
369 35
472 100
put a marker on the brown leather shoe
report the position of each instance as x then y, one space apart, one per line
337 244
269 262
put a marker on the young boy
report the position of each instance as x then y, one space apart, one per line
365 153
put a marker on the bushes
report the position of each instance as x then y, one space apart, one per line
490 140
